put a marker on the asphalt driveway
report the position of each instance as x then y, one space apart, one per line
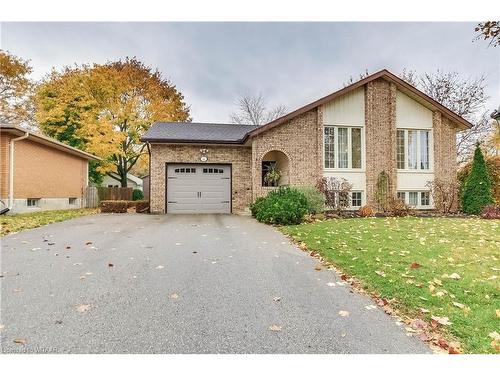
179 284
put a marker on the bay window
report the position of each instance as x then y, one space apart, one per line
413 149
342 147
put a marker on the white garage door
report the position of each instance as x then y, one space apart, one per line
198 188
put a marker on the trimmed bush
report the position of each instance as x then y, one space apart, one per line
283 206
366 211
254 207
114 206
315 199
398 207
141 206
477 192
491 211
137 195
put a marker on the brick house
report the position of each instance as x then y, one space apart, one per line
379 123
40 173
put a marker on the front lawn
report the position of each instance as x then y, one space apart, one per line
439 267
19 222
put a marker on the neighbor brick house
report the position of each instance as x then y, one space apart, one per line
43 173
379 123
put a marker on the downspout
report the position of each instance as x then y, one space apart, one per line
11 168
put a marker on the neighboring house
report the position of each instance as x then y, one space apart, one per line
132 181
379 123
40 173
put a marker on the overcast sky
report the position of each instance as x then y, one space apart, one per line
289 63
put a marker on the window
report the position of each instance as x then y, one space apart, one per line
33 202
425 199
72 201
329 147
401 149
356 199
185 170
413 198
112 185
343 147
212 170
419 199
413 149
356 147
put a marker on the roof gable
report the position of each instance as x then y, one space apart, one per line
403 86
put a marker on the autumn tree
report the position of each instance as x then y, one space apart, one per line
105 110
489 30
465 96
252 110
15 90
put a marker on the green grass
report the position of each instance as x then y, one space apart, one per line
366 247
19 222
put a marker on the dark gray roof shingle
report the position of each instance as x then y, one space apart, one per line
197 132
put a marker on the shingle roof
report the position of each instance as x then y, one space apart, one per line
197 132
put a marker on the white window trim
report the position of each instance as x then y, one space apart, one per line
419 205
431 151
349 148
362 199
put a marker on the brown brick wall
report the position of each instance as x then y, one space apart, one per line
42 172
238 156
4 164
380 134
301 140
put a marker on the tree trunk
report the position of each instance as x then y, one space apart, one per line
123 180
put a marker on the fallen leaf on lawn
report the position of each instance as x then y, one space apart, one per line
454 348
111 265
380 273
82 308
317 268
424 336
275 328
495 345
343 277
459 305
277 299
343 313
423 298
174 296
443 320
494 335
440 294
454 276
415 265
418 324
159 267
424 310
498 313
20 341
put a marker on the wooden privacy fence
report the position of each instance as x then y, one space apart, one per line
95 194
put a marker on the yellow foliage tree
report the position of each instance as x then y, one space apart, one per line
105 109
15 90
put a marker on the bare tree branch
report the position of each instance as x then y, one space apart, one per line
251 110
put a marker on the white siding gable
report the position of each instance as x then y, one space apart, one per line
411 114
349 109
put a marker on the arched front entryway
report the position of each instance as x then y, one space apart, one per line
275 169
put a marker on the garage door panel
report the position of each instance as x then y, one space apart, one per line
198 188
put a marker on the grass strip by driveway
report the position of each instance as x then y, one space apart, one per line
19 222
439 267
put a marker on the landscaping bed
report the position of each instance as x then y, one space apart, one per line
442 273
19 222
